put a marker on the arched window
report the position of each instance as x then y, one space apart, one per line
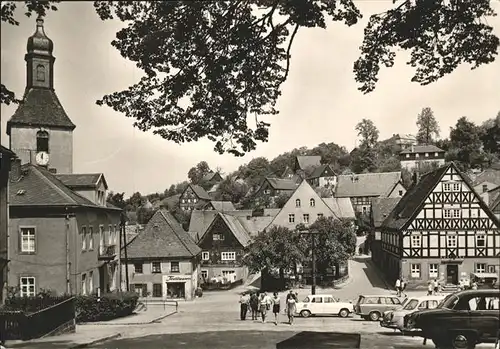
297 203
42 141
312 202
40 72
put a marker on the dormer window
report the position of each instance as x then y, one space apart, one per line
297 203
312 202
40 72
42 141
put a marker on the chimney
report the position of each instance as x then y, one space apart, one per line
15 170
53 170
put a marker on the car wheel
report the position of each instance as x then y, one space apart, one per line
305 313
463 341
374 315
344 313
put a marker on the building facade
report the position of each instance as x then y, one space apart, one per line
417 156
442 230
6 157
323 176
163 261
486 180
363 188
193 197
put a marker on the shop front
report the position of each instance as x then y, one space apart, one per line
178 287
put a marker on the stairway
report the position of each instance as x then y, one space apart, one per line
449 288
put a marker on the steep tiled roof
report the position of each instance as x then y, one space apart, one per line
200 192
341 207
39 187
423 149
489 175
210 176
238 230
222 205
381 208
81 180
171 201
255 225
282 184
201 220
308 161
318 171
163 237
494 198
367 184
40 107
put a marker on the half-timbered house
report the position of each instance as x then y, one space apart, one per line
323 176
440 229
193 197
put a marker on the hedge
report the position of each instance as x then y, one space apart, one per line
109 306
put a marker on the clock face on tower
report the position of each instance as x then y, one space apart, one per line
42 158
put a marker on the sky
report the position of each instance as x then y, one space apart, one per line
320 101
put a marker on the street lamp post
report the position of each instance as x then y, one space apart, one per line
312 233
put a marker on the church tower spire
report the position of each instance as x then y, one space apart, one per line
39 59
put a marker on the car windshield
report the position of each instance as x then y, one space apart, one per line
448 302
411 304
405 301
306 300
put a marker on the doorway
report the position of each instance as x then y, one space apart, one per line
452 274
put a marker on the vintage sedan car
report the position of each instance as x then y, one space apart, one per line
462 320
371 307
394 318
323 305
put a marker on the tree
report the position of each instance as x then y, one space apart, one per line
368 133
276 248
134 201
392 164
199 171
39 8
230 189
255 171
170 191
428 127
282 199
116 199
209 64
465 144
363 159
144 214
180 187
335 243
490 136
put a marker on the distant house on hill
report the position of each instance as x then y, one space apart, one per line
271 188
363 188
323 176
193 197
306 163
220 206
486 180
416 156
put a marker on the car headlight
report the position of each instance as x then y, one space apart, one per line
411 323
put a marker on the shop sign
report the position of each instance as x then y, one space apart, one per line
177 278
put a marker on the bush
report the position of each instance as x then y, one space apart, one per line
109 306
44 299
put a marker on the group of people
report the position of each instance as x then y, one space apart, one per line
433 287
263 303
400 287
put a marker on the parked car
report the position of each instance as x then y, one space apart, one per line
462 320
395 318
323 305
372 307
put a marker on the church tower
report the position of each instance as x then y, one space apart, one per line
40 130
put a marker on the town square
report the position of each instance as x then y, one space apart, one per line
250 174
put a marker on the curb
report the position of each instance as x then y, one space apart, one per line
158 319
154 321
97 341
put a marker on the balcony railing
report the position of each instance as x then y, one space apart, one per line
107 252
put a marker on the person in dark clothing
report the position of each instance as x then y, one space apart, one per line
254 306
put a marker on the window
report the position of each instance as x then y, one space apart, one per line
306 218
320 215
205 256
174 267
480 241
84 238
91 282
156 267
485 188
480 267
451 241
426 155
451 213
91 238
157 290
400 193
218 237
267 191
40 72
446 186
228 256
416 241
183 201
291 218
138 268
456 186
415 270
312 202
27 286
84 284
42 141
433 270
297 203
204 274
491 269
407 155
28 243
317 300
110 235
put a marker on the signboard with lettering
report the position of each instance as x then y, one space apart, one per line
177 278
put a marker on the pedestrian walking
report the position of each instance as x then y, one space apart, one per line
430 287
264 306
276 307
403 287
436 287
254 305
291 306
244 301
398 287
